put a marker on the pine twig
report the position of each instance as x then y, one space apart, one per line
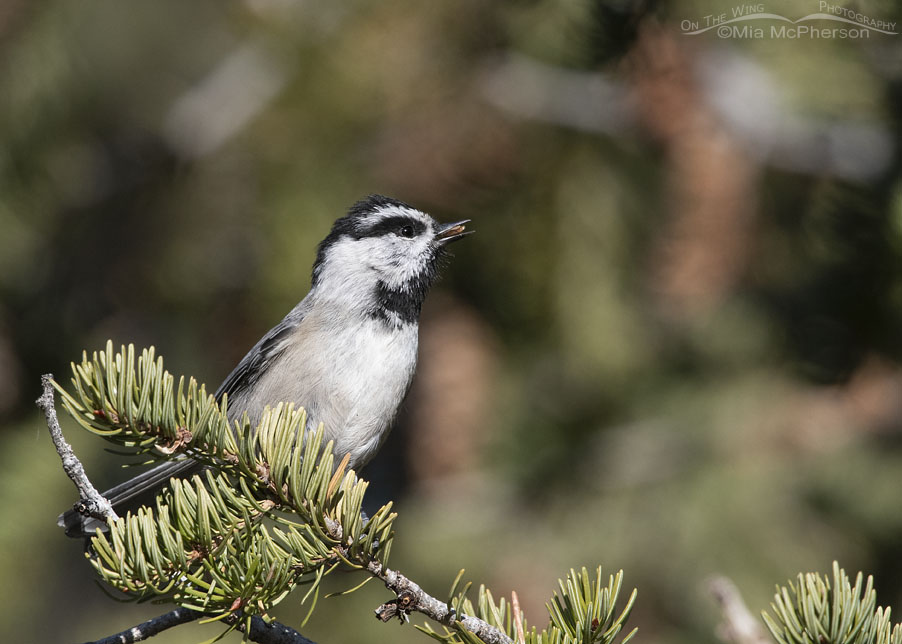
261 632
92 503
410 597
273 633
151 627
738 625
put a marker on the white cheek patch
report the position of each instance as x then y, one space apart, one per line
390 259
409 263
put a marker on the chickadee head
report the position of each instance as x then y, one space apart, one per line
382 257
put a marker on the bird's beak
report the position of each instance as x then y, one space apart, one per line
447 233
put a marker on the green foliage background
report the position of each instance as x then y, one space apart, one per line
583 396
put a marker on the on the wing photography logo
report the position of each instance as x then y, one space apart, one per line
754 21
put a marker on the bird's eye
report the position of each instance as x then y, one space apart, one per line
406 231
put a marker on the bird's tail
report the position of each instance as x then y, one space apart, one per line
128 494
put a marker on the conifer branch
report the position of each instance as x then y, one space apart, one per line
272 632
260 631
91 502
584 611
410 597
151 627
813 609
270 512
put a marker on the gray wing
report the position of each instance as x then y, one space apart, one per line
142 487
260 357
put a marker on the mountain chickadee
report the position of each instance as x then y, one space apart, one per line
347 352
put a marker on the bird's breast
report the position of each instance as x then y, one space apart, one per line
351 378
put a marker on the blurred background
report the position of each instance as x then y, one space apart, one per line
673 346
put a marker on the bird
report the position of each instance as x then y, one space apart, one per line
346 352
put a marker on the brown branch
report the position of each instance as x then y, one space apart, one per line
92 503
410 597
518 618
738 625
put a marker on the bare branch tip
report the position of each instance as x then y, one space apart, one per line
91 501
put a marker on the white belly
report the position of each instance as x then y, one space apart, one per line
352 380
